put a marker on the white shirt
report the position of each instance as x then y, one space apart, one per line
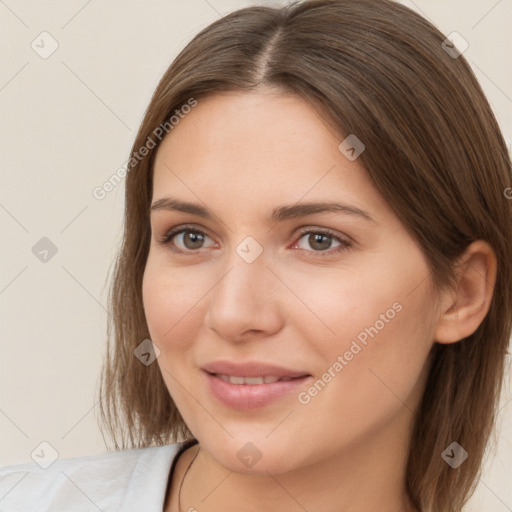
125 481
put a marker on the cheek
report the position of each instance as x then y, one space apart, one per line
372 334
334 306
171 298
172 302
383 301
381 378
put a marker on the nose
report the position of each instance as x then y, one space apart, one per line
245 301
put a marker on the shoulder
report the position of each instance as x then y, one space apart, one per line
119 480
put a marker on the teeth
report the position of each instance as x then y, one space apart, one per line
251 380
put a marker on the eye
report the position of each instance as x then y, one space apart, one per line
186 238
320 241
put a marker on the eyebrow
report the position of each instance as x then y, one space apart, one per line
278 214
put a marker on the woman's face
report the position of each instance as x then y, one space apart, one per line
341 297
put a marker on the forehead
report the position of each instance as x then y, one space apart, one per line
251 127
256 149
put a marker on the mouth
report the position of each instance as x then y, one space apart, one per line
251 381
248 393
250 370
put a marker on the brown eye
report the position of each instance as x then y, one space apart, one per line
321 242
185 239
191 239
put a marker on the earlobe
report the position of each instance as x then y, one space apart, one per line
464 310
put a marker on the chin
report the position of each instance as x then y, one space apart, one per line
255 458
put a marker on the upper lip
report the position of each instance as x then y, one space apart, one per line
250 369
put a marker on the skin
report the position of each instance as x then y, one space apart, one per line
242 155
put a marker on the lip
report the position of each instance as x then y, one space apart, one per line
250 369
251 396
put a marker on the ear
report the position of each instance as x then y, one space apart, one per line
463 310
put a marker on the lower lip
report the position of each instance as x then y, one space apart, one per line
251 396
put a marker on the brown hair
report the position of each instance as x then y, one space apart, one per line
433 150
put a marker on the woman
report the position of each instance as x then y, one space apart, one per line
311 305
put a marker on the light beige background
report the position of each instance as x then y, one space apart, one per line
67 124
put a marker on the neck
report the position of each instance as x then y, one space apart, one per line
367 476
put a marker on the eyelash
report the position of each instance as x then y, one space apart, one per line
344 244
